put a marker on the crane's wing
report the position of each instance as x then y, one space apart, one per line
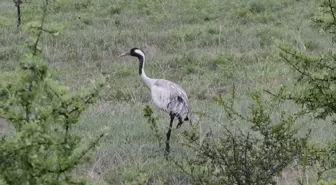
170 97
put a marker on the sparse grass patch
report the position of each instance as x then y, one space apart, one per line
205 46
268 34
153 171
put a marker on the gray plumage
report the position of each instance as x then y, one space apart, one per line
166 95
171 98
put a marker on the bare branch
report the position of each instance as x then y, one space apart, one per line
41 27
27 111
82 154
332 11
188 173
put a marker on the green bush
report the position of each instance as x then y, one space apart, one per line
250 156
258 154
43 148
315 86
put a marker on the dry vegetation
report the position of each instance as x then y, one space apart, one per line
205 46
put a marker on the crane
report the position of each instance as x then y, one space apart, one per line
165 94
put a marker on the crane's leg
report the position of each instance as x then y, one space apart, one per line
168 135
179 123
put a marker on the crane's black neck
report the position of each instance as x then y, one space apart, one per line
141 63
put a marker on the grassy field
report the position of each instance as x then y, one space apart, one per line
205 46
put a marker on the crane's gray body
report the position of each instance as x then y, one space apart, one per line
171 98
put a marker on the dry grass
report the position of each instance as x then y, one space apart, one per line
206 46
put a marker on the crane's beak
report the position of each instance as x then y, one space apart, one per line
124 54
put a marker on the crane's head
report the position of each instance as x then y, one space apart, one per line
135 52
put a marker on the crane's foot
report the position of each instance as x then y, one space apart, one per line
167 151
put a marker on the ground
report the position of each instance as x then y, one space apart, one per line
204 46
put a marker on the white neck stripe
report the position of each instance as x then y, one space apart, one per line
138 51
